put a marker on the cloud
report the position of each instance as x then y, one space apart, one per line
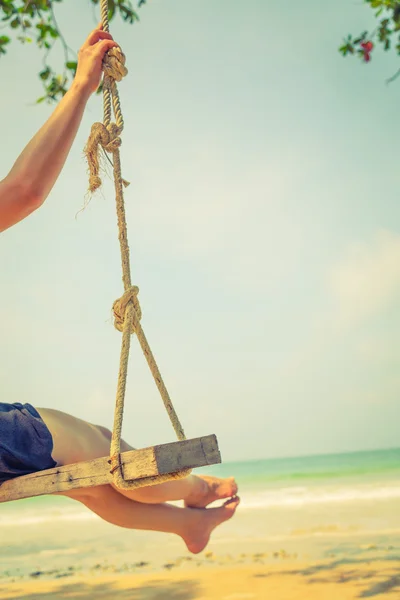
366 282
354 324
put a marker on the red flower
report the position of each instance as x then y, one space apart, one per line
367 49
367 46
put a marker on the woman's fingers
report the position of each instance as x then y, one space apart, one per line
95 36
101 48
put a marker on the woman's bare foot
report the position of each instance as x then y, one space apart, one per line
205 520
209 489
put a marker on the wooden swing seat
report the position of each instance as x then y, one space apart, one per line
136 464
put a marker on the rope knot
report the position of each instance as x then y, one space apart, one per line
114 64
120 307
106 137
114 141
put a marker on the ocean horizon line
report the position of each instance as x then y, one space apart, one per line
312 455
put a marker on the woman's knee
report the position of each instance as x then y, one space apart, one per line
107 434
104 431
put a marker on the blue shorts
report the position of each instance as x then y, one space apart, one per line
25 441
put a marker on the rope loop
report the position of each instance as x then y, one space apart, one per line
120 306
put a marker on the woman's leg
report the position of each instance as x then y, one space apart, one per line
193 525
76 440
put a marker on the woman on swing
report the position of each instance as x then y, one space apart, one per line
35 439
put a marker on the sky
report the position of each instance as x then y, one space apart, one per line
263 221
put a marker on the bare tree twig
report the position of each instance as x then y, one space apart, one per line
393 77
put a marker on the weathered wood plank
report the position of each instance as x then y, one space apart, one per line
187 454
137 464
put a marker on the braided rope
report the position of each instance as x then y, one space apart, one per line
127 311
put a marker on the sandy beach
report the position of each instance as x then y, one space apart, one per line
330 537
343 579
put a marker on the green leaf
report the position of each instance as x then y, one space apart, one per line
346 49
24 39
45 74
71 65
111 9
9 11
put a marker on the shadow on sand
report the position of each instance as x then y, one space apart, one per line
156 590
330 573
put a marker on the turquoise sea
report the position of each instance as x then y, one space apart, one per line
311 480
309 505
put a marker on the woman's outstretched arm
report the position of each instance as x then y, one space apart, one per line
36 170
